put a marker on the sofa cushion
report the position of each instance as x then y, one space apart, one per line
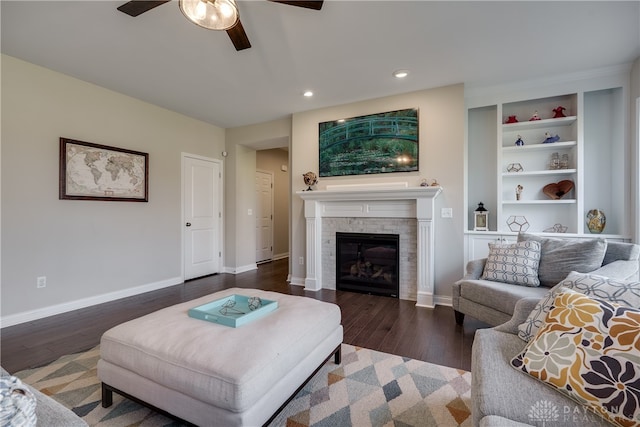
619 291
515 263
559 257
589 349
496 295
498 389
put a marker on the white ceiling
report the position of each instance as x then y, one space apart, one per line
344 53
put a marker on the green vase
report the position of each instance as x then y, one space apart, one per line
596 221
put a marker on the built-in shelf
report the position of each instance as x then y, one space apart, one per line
541 146
540 173
539 202
540 124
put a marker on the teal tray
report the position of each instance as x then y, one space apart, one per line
237 315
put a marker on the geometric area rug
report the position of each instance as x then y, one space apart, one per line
368 388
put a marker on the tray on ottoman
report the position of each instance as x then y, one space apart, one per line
234 310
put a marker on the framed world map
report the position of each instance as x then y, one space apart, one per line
99 172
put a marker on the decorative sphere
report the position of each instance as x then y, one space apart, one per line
310 179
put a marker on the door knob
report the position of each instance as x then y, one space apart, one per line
188 224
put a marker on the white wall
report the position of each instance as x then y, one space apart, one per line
89 251
441 157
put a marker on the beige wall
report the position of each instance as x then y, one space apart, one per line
441 153
89 251
272 161
240 166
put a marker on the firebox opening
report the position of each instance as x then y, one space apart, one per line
368 263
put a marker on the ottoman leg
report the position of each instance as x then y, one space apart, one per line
337 357
107 396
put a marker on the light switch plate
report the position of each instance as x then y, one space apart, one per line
446 213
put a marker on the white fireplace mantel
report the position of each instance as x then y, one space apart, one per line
373 202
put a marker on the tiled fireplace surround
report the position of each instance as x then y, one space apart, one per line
379 208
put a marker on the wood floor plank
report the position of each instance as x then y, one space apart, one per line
381 323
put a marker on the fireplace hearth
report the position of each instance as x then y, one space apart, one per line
368 263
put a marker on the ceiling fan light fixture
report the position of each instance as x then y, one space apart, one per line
210 14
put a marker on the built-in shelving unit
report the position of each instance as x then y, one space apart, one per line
591 139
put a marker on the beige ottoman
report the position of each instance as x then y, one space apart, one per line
215 375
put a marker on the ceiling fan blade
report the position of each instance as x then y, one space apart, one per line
239 37
138 7
307 4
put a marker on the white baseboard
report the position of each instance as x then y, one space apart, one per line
241 269
280 256
28 316
442 300
298 281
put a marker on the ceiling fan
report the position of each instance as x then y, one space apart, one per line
234 29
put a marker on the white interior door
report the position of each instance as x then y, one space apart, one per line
202 213
264 216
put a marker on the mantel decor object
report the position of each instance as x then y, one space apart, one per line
481 218
511 119
596 221
558 190
519 189
310 179
98 172
517 223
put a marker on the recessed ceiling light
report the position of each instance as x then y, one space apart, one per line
307 94
400 74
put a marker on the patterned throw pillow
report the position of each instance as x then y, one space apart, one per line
515 263
618 291
589 350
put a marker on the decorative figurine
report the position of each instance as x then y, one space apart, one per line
519 189
549 139
519 142
310 179
511 119
435 183
423 183
558 112
534 117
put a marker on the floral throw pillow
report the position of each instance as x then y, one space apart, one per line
515 263
623 292
589 350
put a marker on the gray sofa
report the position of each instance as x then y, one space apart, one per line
493 302
49 412
502 396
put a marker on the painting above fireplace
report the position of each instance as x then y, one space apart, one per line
371 144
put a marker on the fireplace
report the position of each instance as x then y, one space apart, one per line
389 208
367 263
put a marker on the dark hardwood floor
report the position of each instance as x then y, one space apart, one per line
380 323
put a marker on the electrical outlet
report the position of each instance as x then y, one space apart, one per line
446 212
301 260
41 282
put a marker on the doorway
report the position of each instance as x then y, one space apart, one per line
202 216
264 216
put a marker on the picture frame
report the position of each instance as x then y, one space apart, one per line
370 144
91 171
